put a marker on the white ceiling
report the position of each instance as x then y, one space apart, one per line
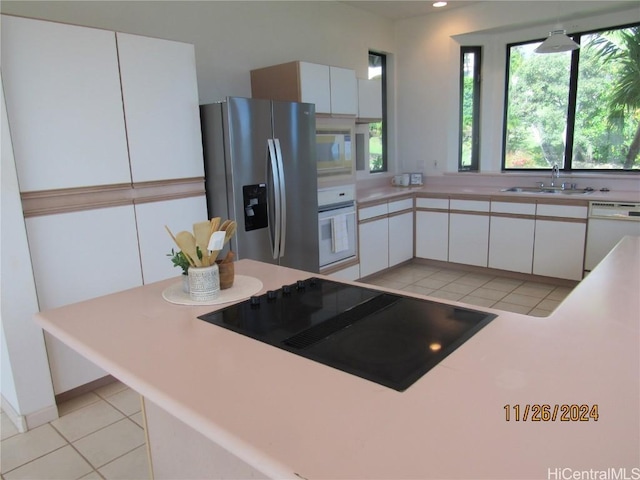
398 10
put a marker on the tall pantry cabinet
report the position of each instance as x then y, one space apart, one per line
106 135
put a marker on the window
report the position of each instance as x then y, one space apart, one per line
579 110
470 62
378 130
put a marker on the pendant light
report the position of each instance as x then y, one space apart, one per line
557 41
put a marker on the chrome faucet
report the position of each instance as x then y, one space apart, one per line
555 174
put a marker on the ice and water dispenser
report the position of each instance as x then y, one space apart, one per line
255 206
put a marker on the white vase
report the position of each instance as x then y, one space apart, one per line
204 283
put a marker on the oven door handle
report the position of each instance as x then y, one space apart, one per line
273 178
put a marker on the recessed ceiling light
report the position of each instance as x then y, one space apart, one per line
439 4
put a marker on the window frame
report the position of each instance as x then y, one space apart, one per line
383 78
475 133
571 106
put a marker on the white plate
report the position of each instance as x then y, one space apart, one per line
243 287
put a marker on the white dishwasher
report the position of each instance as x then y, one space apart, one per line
608 223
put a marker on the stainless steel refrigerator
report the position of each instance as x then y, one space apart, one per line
260 170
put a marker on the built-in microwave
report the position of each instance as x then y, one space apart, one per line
335 147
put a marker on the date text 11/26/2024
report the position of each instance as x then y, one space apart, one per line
551 413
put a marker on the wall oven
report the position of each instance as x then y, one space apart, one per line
337 225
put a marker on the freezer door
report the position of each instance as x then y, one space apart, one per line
294 128
247 123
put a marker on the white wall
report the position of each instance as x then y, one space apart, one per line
427 72
26 382
234 37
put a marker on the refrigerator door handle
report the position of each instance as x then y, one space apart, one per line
273 217
283 198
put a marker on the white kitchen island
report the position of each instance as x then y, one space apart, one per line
228 406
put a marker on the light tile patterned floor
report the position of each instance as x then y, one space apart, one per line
99 435
479 289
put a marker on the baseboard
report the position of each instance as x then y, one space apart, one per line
32 420
528 277
18 420
82 389
45 415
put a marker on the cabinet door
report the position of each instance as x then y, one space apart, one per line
469 239
160 94
432 235
315 86
374 246
64 104
77 256
155 242
351 273
511 244
369 98
344 91
559 249
400 238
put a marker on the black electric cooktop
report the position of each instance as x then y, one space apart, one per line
386 338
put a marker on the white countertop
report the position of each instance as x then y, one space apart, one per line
291 417
376 194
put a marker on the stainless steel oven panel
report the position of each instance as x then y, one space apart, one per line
327 255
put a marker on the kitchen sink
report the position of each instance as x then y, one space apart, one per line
549 190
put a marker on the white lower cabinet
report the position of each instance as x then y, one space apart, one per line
512 230
350 273
559 249
511 244
432 235
374 246
469 239
400 238
155 243
385 235
77 256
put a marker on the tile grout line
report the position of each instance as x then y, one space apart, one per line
37 458
482 285
93 467
119 457
70 443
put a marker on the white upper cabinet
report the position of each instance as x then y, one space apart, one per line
369 99
64 104
344 91
333 90
315 86
160 92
